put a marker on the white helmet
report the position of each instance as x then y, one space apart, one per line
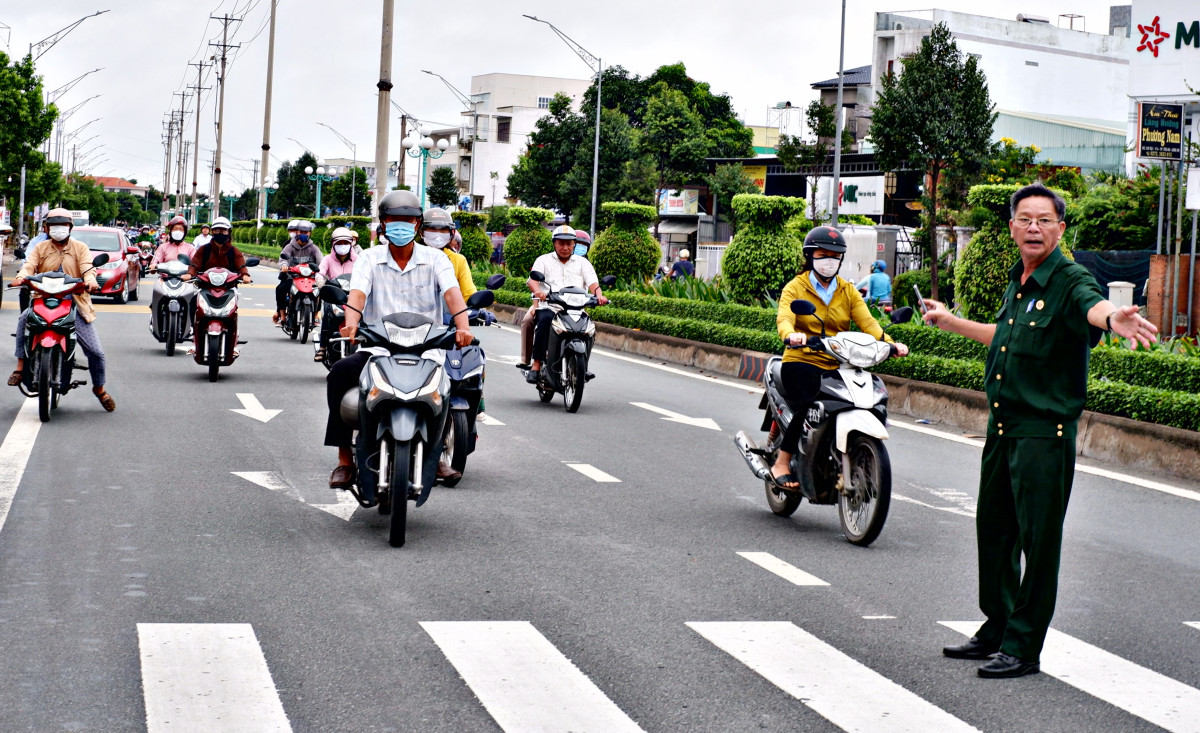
342 233
293 225
220 221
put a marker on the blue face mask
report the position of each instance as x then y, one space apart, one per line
581 250
400 233
302 238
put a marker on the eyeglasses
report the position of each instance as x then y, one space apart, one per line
1044 222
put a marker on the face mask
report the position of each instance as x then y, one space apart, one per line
219 238
581 250
400 233
302 238
437 239
59 233
177 236
341 249
827 267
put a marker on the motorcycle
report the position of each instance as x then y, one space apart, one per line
302 301
399 408
335 315
145 257
215 332
50 337
172 304
842 458
572 333
466 367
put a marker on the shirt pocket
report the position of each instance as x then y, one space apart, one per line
1032 333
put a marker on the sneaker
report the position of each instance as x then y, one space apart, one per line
236 352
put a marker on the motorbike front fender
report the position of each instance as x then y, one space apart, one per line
404 424
577 346
458 402
857 421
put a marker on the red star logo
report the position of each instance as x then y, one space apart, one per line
1159 37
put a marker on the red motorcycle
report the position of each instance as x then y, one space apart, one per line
215 332
145 257
50 337
302 301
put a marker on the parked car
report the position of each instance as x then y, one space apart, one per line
119 278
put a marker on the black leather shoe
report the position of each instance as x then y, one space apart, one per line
972 649
1006 665
531 376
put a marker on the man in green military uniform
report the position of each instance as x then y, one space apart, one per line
1036 381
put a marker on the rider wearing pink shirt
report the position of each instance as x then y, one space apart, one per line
175 244
340 261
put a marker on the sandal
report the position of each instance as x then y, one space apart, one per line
106 401
319 355
784 481
15 378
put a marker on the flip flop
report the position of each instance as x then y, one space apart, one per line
783 481
14 379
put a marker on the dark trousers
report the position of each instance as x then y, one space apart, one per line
1024 487
802 382
342 377
282 290
541 332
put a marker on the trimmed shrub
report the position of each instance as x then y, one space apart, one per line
625 249
930 341
528 241
963 373
902 286
704 331
730 314
1158 369
1176 409
763 256
477 245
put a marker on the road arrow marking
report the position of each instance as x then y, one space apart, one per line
700 422
343 506
1194 624
266 479
251 407
486 419
593 473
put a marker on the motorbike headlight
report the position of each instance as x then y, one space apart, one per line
110 265
407 336
219 311
862 356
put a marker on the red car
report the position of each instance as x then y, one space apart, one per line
119 278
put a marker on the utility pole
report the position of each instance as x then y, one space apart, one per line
266 143
224 46
196 144
167 143
400 160
385 93
183 97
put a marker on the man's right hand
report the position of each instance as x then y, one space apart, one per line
348 331
540 295
16 283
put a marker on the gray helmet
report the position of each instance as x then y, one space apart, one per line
293 224
438 219
305 225
400 203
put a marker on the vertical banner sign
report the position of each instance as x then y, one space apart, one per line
1160 131
758 174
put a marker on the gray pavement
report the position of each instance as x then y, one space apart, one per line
138 518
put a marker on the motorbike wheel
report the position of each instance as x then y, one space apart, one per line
170 335
213 355
402 469
782 503
864 508
304 317
44 368
289 324
574 367
454 449
545 394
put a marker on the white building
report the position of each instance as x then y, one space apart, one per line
494 135
1164 55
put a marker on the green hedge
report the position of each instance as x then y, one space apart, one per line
963 373
728 314
934 342
1147 404
693 330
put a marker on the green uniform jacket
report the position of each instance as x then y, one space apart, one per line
1037 365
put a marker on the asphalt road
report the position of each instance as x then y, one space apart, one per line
177 566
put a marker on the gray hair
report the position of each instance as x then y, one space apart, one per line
1037 189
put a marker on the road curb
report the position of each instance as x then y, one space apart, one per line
1130 443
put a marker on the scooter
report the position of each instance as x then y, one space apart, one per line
842 459
399 408
215 333
466 368
335 315
50 337
172 304
302 301
572 332
145 257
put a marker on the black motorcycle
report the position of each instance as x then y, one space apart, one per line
334 316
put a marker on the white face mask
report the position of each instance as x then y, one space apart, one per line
59 232
437 239
341 249
176 235
827 267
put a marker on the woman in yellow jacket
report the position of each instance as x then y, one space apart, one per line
838 302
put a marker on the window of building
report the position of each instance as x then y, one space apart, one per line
503 129
543 102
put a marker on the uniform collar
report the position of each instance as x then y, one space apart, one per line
1042 274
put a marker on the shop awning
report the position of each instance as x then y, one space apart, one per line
677 226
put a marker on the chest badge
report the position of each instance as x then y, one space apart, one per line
1041 304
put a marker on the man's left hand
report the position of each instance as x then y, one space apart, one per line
1128 322
463 338
93 288
601 299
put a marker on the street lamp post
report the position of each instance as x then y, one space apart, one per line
353 163
595 64
319 177
269 188
473 105
422 146
230 200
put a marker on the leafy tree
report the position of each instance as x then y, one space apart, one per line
336 193
1120 214
443 186
936 116
84 193
674 139
498 218
764 254
246 205
811 158
537 177
617 148
625 249
297 196
25 123
530 240
725 182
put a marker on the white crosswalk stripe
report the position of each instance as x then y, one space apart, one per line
198 678
523 681
845 692
788 572
593 473
1145 693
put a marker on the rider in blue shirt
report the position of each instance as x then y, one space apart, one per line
878 285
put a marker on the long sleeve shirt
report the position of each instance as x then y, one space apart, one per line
846 304
294 251
74 258
332 268
170 252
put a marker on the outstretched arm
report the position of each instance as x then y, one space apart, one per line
941 317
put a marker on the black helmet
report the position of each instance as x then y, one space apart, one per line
822 237
400 203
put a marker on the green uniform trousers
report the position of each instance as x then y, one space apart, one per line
1024 487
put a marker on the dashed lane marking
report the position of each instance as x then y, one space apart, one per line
14 453
788 572
593 473
950 509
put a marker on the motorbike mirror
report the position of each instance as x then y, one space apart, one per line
803 307
100 259
184 259
132 250
251 262
537 276
496 281
334 294
902 315
481 299
608 281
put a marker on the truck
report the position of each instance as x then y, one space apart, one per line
79 218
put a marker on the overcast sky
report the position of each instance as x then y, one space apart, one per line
327 60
